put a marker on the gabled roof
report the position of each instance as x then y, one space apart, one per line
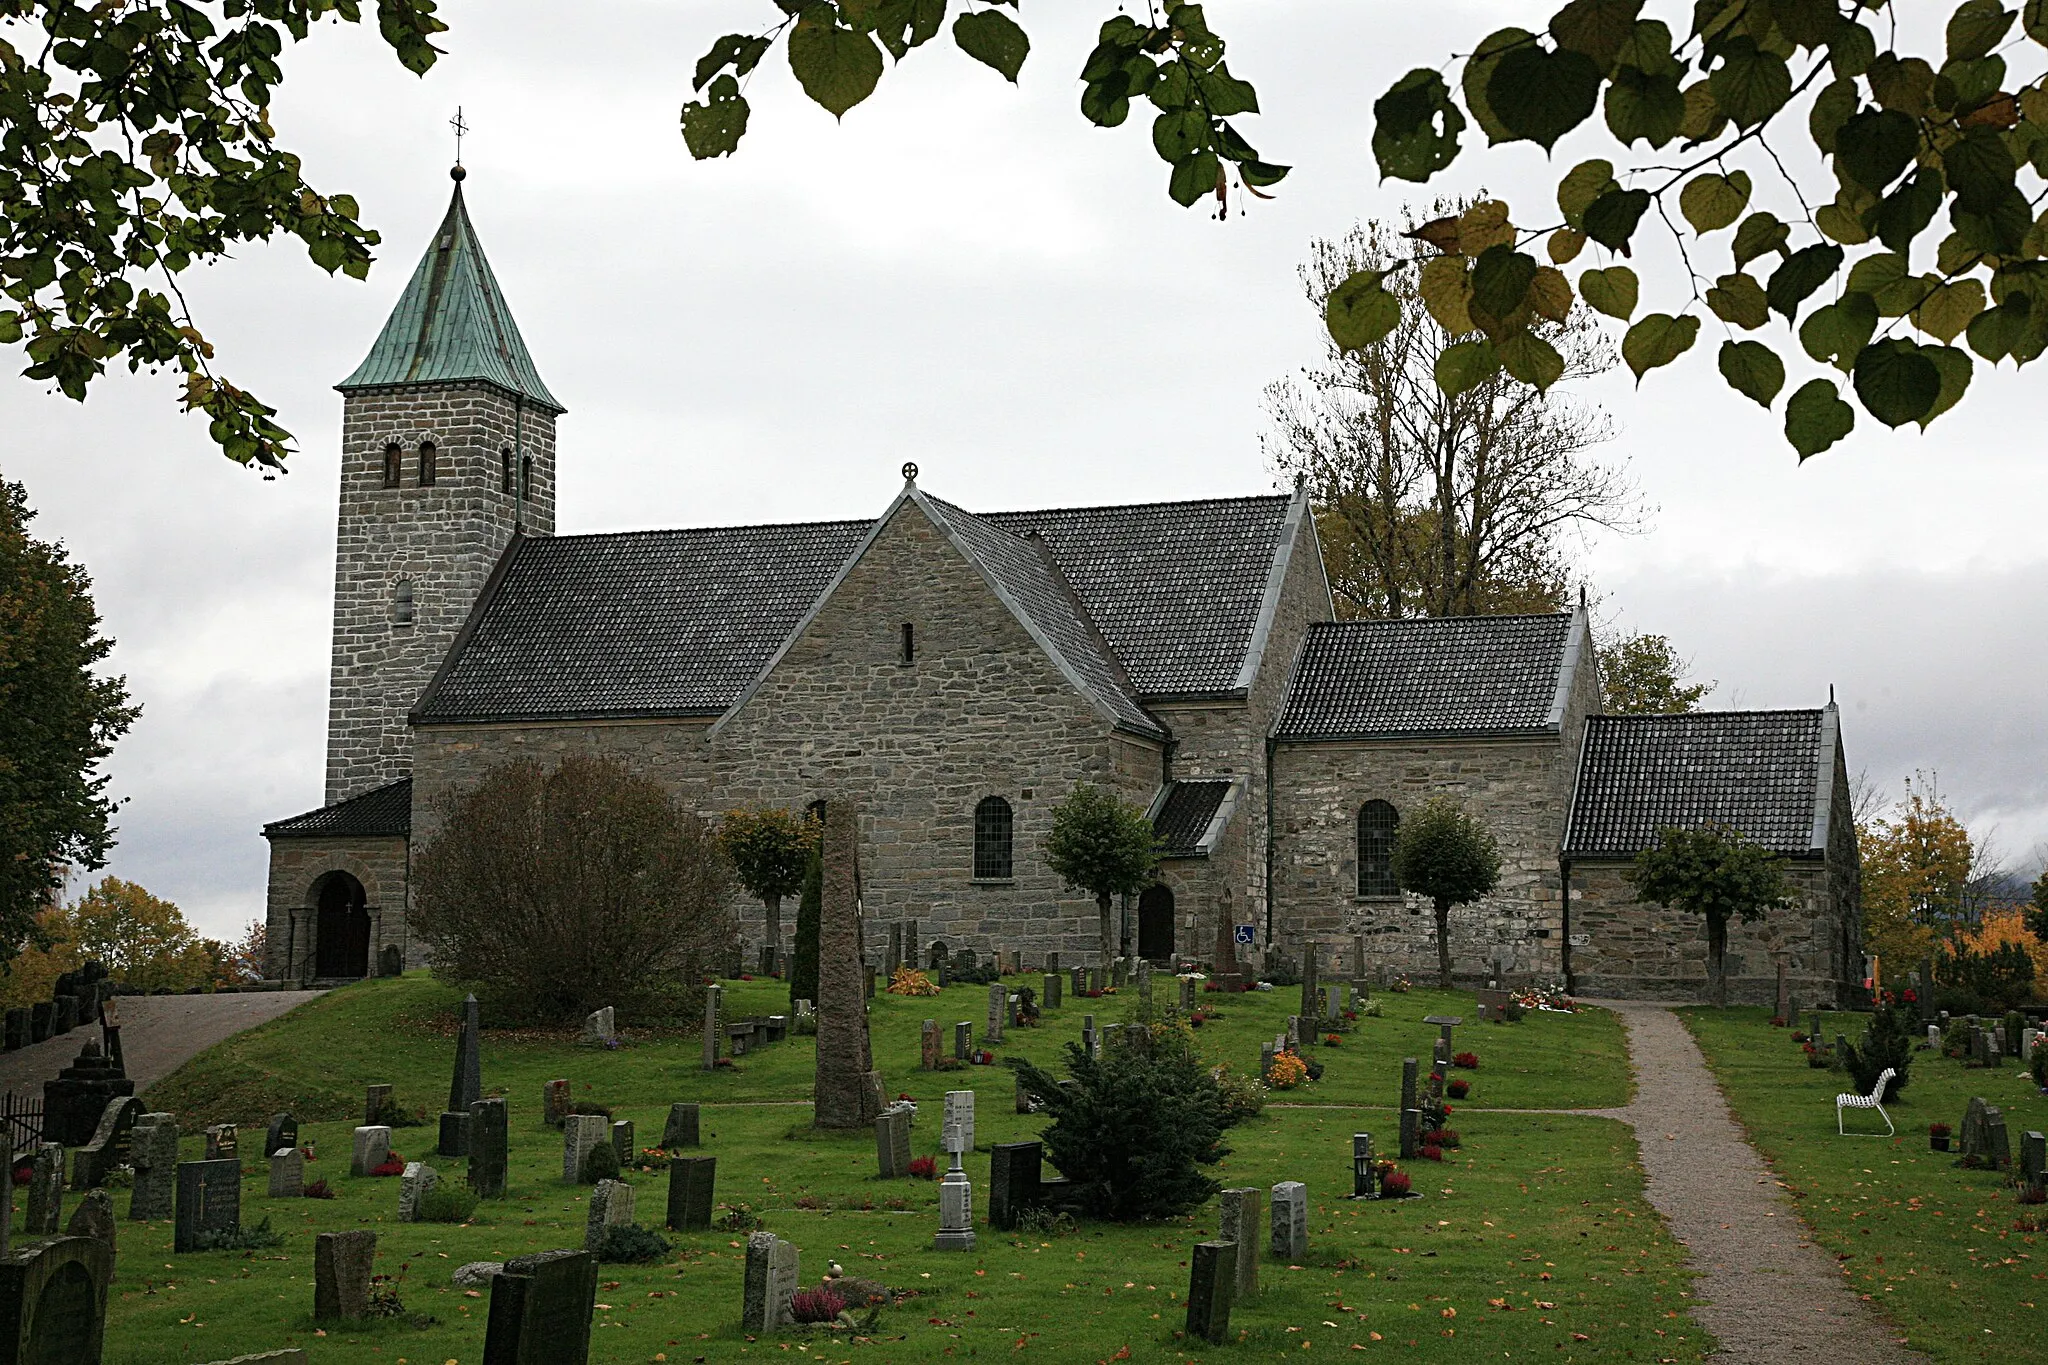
452 324
1482 675
383 813
1185 816
1768 774
1156 599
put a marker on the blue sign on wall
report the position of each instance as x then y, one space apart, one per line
1244 935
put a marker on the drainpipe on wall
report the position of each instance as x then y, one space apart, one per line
1272 836
1564 866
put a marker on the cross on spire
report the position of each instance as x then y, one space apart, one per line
460 128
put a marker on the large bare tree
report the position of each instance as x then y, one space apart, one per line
1432 504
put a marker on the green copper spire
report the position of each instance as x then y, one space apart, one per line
452 324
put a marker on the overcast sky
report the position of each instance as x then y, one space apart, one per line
967 275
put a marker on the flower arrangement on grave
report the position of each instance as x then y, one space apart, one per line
982 1057
1286 1072
653 1159
394 1164
1777 1021
1448 1138
1551 998
924 1168
815 1305
318 1189
1799 1037
1467 1060
1333 1039
737 1218
1243 1097
1399 985
1429 1151
1395 1185
1351 1015
1459 1088
911 981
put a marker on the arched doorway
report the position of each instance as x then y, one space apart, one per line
341 927
1155 924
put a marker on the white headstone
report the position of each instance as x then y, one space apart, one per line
287 1173
1290 1220
598 1028
956 1133
372 1146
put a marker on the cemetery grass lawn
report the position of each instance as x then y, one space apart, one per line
1535 1209
1933 1246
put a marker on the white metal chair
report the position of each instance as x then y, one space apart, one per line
1870 1101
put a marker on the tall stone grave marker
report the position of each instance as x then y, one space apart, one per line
466 1086
892 1143
956 1194
690 1184
46 1190
554 1103
1054 982
1411 1113
624 1145
490 1148
1290 1220
209 1200
846 1091
1311 985
928 1046
998 1013
1240 1223
963 1040
541 1307
712 996
1212 1277
341 1275
153 1150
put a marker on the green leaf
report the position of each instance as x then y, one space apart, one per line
1597 28
1980 169
1739 299
1565 244
1479 69
1954 367
1753 370
1836 333
1613 291
715 127
1194 176
1530 359
1180 134
1711 202
1750 84
1416 127
1760 234
2000 331
837 67
1950 309
1834 106
1851 50
1901 85
1876 273
10 328
1816 418
1500 280
1645 105
1224 93
1874 148
1804 271
1581 185
1612 218
1465 365
1657 340
1895 383
2036 20
1976 27
1905 213
992 38
735 50
1361 312
1540 96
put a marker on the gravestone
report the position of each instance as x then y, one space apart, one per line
1025 1104
580 1133
2034 1162
45 1191
1054 982
1144 989
1016 1170
928 1046
541 1307
1934 1036
1290 1220
1970 1133
1293 1032
153 1152
287 1173
111 1144
1411 1115
454 1135
998 1013
413 1186
1339 995
681 1128
956 1194
1095 981
376 1101
17 1029
963 1040
1493 1005
1311 987
1997 1146
1782 1009
40 1016
53 1302
1239 1222
372 1149
283 1132
772 1275
690 1183
67 1015
1212 1280
895 958
465 1086
611 1205
490 1148
223 1140
94 1217
1118 970
1187 995
1361 1166
846 1089
892 1143
624 1144
1445 1023
712 996
599 1029
209 1200
1267 1052
75 1100
1080 982
554 1103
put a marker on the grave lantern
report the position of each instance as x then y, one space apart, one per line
1361 1165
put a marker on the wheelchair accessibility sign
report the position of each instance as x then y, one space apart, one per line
1243 935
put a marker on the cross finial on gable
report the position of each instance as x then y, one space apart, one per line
460 128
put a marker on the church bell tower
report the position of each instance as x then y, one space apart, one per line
447 454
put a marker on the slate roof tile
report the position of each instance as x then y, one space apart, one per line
1185 815
1757 771
1445 675
383 813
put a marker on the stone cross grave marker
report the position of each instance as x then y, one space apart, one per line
691 1180
341 1275
413 1186
1239 1222
371 1149
1212 1276
681 1128
153 1151
541 1306
1290 1220
712 997
611 1205
581 1133
287 1173
209 1200
490 1148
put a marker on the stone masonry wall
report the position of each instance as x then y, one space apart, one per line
290 922
443 540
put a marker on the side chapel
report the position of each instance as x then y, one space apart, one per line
960 672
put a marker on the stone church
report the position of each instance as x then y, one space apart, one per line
959 672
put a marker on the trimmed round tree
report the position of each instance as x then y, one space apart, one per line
768 847
1715 872
1445 854
1104 845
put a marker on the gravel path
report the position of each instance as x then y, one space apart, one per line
159 1034
1769 1294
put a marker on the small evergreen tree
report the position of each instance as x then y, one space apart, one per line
767 846
1443 853
803 965
1103 845
1888 1041
1714 872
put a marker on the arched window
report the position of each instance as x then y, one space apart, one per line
427 470
394 459
526 477
505 470
1377 823
992 840
401 604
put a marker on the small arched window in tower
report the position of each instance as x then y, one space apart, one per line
992 840
401 604
394 459
909 642
427 470
526 477
1378 822
505 470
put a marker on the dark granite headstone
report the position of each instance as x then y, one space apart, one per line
963 1040
1015 1170
41 1016
341 1275
110 1144
467 1086
454 1137
623 1145
209 1200
283 1132
53 1302
223 1140
555 1102
681 1128
690 1183
2034 1161
376 1100
74 1101
490 1148
1212 1276
540 1310
1409 1114
17 1029
391 962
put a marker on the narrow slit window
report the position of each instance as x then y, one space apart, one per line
401 605
992 827
1378 822
394 460
526 477
909 642
505 470
427 470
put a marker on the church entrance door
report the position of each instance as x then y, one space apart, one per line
1155 924
341 929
